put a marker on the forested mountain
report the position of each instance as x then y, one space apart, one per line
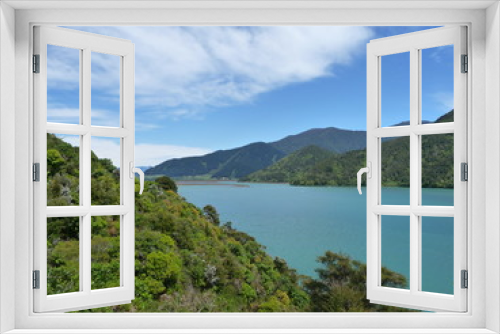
331 139
328 169
145 168
290 166
232 164
241 161
185 259
340 169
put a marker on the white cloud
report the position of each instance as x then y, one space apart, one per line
62 114
445 100
70 139
152 155
63 68
58 113
188 70
440 53
145 154
140 126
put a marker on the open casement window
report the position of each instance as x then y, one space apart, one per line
67 62
428 226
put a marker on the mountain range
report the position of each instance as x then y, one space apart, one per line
320 156
238 162
312 165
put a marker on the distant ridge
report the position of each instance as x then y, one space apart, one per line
408 123
238 162
313 166
231 164
332 139
290 166
145 168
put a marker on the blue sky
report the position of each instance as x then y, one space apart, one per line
200 89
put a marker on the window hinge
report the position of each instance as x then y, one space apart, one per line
465 64
36 63
36 279
465 279
465 171
36 172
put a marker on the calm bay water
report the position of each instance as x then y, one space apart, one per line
299 224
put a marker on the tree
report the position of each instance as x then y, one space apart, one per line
164 267
211 214
54 161
341 286
166 183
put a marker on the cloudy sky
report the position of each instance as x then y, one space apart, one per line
200 89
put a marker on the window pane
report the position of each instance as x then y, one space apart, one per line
63 252
63 170
395 89
106 171
396 171
395 253
437 170
437 254
105 252
105 90
437 84
63 85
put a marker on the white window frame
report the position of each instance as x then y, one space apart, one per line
414 43
86 44
484 81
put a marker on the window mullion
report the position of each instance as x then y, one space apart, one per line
81 226
414 171
85 176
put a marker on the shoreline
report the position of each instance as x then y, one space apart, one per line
214 184
225 183
246 184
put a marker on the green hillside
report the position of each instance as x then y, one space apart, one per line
185 262
340 169
241 161
335 171
331 139
290 166
185 259
231 164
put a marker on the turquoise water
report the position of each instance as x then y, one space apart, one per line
301 223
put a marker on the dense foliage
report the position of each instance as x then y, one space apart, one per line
313 166
185 259
166 183
290 167
185 262
341 286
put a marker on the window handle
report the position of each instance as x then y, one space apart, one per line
134 170
368 171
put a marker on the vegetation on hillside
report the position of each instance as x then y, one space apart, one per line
290 167
313 166
231 164
341 286
331 139
241 161
186 260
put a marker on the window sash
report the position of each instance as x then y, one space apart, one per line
86 297
414 297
